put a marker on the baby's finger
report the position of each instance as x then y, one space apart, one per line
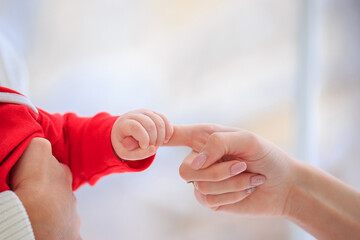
236 183
130 143
160 127
139 153
212 201
214 173
138 132
148 124
169 130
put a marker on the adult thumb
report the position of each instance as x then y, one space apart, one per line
220 144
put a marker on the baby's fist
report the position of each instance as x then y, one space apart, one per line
137 134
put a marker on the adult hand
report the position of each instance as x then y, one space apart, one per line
44 186
316 201
229 164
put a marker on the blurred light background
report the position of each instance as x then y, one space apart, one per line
287 70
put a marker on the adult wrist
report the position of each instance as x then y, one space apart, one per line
298 192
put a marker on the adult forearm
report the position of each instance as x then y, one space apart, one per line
323 205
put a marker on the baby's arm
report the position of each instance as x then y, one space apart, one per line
97 146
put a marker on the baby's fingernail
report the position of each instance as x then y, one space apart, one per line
257 180
250 190
199 161
144 146
152 150
237 168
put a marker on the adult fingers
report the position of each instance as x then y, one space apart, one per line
236 183
214 173
180 137
195 136
219 144
213 201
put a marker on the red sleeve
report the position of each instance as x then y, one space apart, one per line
18 126
84 144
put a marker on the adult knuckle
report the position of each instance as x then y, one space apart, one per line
183 171
238 196
215 175
41 145
213 128
216 139
203 187
211 200
68 174
250 137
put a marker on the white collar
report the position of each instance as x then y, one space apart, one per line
17 99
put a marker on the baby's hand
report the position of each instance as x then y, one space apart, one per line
137 134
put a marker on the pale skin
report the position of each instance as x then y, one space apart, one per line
233 170
269 182
138 134
44 185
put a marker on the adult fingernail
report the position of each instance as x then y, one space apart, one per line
250 190
199 161
237 168
257 180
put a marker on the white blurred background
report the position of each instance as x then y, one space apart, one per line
288 70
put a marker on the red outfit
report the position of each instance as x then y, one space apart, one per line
82 143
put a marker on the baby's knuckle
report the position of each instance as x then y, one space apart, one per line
134 127
161 125
151 128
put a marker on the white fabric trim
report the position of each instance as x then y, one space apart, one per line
17 99
14 221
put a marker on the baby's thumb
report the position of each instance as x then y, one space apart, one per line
130 143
